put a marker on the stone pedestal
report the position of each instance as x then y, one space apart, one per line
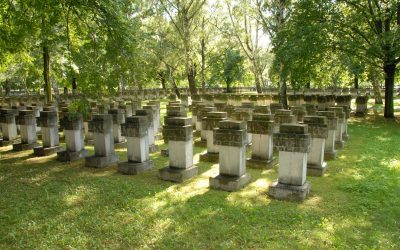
330 149
318 129
293 143
199 124
209 123
299 112
310 99
294 100
148 113
339 142
361 106
179 133
322 103
8 126
246 115
136 131
196 109
262 109
48 123
27 121
275 106
104 155
157 121
36 112
231 138
346 111
343 100
311 109
118 118
261 127
176 110
74 139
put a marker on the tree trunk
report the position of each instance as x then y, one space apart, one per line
162 79
171 78
377 91
46 73
390 71
308 85
283 87
74 86
191 75
356 82
203 65
256 77
228 87
7 88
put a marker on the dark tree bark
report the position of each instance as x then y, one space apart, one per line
376 89
228 87
203 58
390 71
203 64
282 86
308 86
356 80
191 75
46 73
161 74
74 85
172 79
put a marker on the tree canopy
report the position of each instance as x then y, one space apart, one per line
105 46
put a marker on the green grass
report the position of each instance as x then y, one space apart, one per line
48 204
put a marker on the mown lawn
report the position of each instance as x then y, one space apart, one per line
47 204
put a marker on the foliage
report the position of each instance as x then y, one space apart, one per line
78 108
226 66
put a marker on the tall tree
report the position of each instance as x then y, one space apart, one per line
247 32
370 30
274 15
185 16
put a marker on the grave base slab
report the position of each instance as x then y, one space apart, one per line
42 151
65 155
209 157
101 161
177 174
260 163
314 170
281 191
229 183
132 168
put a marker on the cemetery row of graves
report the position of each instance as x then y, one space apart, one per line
304 136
